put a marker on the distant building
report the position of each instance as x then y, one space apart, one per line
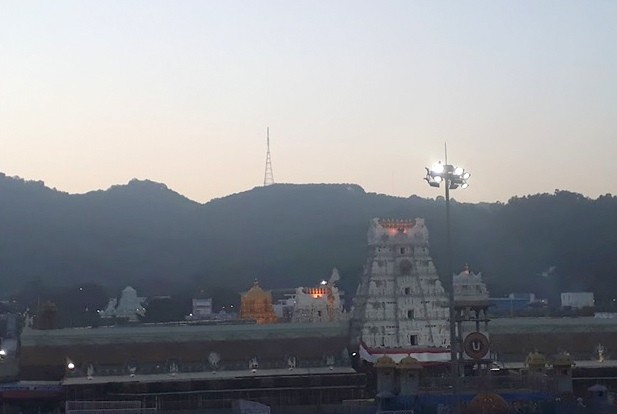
318 304
202 309
508 306
224 315
284 301
577 300
130 306
9 335
527 296
515 303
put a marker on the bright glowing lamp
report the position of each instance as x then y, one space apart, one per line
466 176
437 179
437 168
459 171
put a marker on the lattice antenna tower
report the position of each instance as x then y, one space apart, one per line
268 176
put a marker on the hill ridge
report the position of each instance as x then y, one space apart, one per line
145 234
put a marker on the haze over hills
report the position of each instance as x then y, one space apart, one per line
153 238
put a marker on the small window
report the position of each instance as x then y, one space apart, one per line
413 339
402 250
410 314
407 291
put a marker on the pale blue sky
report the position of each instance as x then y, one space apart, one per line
94 93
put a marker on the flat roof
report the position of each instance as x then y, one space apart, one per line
609 363
181 333
240 332
526 325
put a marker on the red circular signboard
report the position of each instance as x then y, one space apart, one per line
476 345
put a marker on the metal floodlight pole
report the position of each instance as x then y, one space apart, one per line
452 178
450 281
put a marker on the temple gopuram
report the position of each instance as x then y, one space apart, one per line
400 308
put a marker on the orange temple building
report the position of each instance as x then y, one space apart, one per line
257 304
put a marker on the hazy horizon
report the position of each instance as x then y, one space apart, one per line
436 195
93 94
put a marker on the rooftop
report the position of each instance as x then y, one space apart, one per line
180 333
551 325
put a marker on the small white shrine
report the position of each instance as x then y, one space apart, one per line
130 306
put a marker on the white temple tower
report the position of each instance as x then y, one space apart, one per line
401 307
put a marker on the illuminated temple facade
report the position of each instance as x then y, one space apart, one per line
400 305
256 304
318 304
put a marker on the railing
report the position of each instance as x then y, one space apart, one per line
99 405
115 411
396 412
107 407
194 367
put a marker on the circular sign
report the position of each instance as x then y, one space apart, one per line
476 345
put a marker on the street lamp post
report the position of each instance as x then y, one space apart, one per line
452 177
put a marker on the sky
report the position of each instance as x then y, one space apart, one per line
95 93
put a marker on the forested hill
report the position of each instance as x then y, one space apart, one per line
287 235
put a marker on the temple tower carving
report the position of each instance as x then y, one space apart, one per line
400 302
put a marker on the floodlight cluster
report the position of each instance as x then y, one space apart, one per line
455 177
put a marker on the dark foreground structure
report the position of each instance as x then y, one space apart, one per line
298 368
188 366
